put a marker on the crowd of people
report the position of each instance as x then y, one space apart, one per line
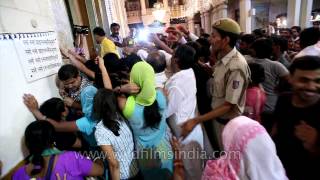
245 106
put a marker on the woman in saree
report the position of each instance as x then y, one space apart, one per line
249 154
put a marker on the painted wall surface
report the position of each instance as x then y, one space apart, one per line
266 10
277 7
16 16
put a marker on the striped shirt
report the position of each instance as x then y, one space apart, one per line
123 147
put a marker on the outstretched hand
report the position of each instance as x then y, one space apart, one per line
64 52
30 101
187 127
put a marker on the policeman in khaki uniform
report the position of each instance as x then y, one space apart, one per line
230 80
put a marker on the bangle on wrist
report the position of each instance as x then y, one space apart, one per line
44 118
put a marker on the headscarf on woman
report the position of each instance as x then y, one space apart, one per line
87 124
143 75
249 154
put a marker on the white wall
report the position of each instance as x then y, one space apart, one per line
274 7
277 7
16 16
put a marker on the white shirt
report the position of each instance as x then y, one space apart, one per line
160 79
168 62
313 50
193 37
182 104
183 40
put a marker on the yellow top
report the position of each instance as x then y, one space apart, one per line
107 46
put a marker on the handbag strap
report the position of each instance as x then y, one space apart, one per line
50 167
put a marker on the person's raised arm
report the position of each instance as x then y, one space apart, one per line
105 76
76 55
192 36
77 63
162 45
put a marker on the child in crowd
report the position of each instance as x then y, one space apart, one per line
46 162
255 96
86 125
54 108
114 136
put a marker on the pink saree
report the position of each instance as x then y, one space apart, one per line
240 157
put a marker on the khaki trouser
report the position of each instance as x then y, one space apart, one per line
218 128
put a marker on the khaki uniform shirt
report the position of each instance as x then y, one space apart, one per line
231 77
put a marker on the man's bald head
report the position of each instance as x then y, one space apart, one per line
157 60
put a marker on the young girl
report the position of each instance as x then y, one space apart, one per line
54 108
85 124
145 110
255 97
114 136
46 162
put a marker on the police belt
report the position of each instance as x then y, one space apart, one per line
222 121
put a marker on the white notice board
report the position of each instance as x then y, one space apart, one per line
38 53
